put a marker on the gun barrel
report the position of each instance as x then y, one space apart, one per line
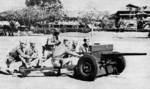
125 54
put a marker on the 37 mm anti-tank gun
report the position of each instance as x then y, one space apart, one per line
101 60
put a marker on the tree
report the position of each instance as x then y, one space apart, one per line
103 17
28 16
48 5
93 14
10 25
36 11
51 8
148 23
88 17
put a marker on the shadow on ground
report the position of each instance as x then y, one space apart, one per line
142 37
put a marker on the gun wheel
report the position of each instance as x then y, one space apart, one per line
87 68
120 63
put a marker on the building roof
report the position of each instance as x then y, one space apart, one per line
74 14
131 5
125 8
147 9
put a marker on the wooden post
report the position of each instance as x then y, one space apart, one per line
91 33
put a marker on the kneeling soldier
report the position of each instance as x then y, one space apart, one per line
17 55
32 51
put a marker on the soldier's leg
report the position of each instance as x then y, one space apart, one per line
46 61
57 62
4 68
10 64
25 62
43 50
49 54
35 62
9 60
71 60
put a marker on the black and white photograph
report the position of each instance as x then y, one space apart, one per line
74 44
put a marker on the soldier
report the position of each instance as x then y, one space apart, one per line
74 45
17 55
60 51
85 47
32 51
51 43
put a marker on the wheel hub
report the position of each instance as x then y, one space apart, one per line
87 68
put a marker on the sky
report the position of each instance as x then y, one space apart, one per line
71 5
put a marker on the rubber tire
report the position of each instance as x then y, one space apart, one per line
121 63
75 74
94 67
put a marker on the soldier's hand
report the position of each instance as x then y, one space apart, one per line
34 57
79 56
28 65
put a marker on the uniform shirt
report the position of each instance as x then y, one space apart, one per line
83 49
60 51
52 42
73 48
30 51
17 51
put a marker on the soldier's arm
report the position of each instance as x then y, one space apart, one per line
72 53
51 42
58 43
33 55
36 53
81 49
23 54
47 41
27 52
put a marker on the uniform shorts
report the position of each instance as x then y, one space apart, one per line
10 59
58 62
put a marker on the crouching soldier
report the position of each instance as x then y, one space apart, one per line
17 55
32 52
58 59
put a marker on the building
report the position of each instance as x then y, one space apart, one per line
133 16
133 12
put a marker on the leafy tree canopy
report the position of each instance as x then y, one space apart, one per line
46 4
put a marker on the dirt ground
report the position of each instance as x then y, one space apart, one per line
135 76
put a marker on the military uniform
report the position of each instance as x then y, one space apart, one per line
15 58
59 53
74 46
14 55
33 53
50 45
84 49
